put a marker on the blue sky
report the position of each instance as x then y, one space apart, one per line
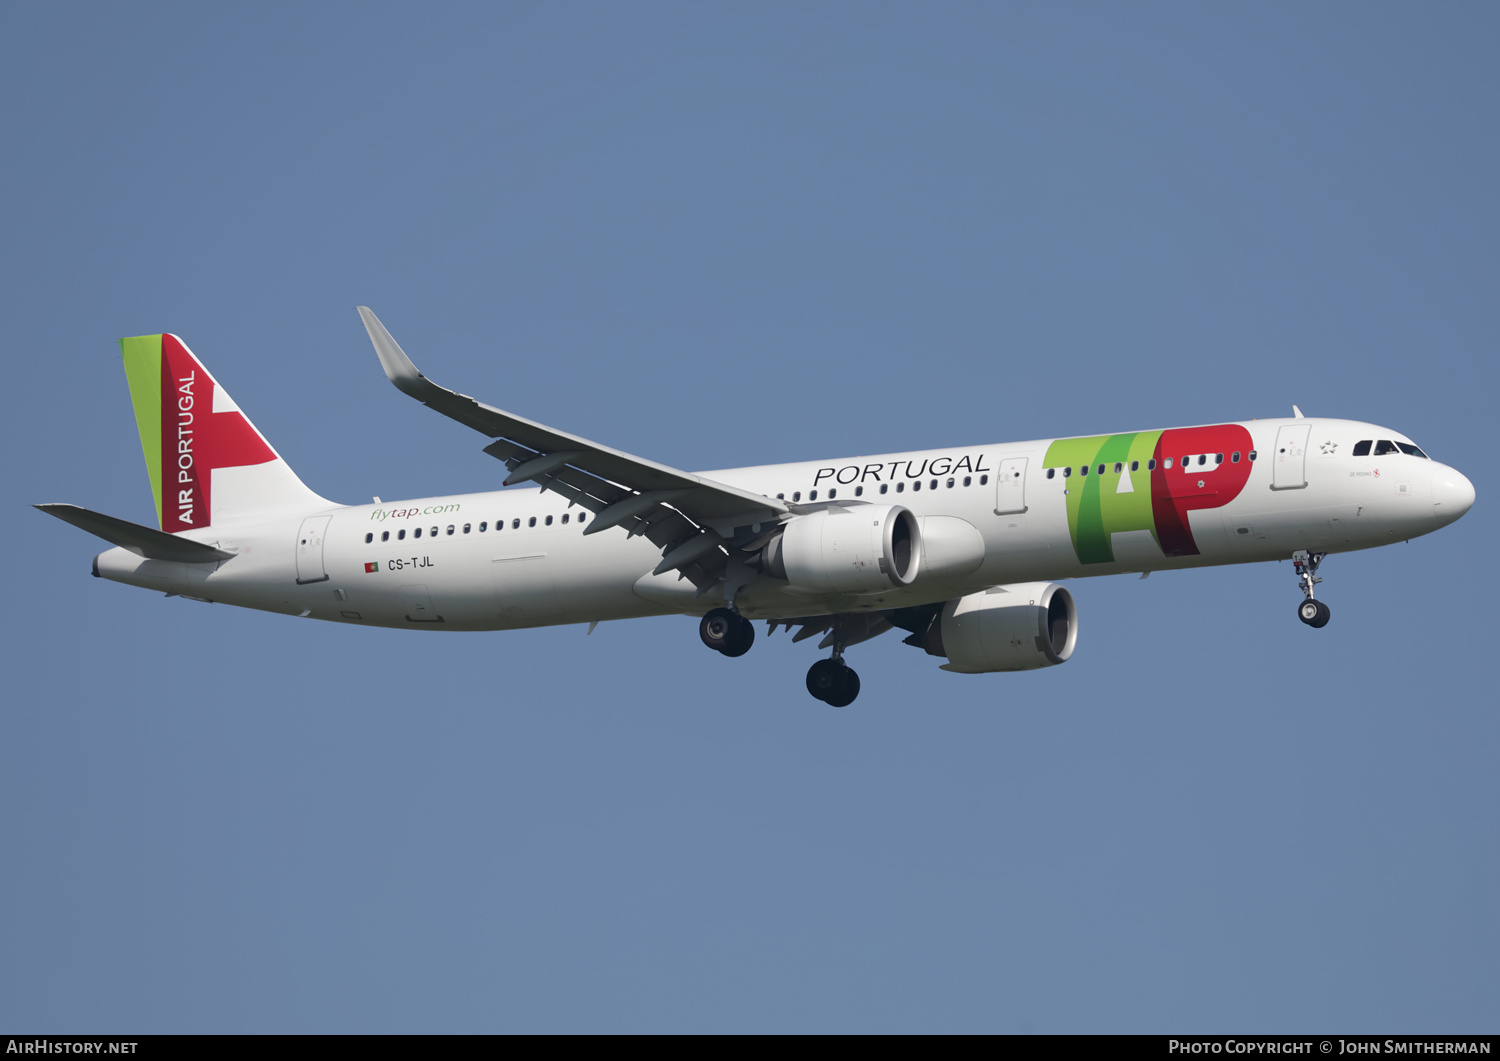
718 235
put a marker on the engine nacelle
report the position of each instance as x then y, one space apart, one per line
854 549
1006 628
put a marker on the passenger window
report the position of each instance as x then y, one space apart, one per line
1051 472
1068 472
1234 458
1100 469
832 494
900 488
1151 464
1119 467
549 521
401 535
1167 463
933 484
983 479
1252 454
950 484
797 495
385 536
582 517
450 529
565 517
466 528
515 524
1218 458
917 485
417 533
433 532
1362 447
813 496
781 497
883 487
859 491
1083 469
369 537
967 480
1135 466
531 522
1383 447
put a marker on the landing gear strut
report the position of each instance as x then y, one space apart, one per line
1312 612
725 631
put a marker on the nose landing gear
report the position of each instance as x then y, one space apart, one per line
1312 612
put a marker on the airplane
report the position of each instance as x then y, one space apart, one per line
960 548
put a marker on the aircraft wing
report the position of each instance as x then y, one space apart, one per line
692 518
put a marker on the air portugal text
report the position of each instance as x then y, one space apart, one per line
890 472
187 474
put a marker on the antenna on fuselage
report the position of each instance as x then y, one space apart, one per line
1298 413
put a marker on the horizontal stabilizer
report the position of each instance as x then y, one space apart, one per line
147 542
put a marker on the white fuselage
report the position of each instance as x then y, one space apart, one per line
518 557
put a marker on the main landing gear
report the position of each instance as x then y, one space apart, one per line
830 680
833 681
1312 612
728 632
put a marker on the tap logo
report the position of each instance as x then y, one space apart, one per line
1149 480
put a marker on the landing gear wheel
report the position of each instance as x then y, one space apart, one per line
724 631
740 640
849 692
1314 613
832 682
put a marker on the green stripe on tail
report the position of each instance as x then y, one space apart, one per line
142 355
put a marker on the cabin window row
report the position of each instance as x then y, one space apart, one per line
467 528
1188 463
859 491
1384 446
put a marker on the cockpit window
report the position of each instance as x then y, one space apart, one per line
1412 451
1385 446
1362 448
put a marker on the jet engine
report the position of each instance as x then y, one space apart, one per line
1020 627
853 549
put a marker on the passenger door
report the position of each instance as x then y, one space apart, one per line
310 550
1289 462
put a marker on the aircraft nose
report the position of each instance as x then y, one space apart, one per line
1452 495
